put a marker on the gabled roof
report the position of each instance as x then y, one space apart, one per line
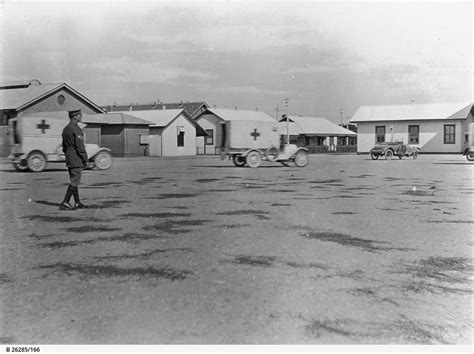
20 98
189 107
113 118
157 118
162 118
312 126
433 111
233 114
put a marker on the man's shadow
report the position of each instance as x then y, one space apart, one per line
44 202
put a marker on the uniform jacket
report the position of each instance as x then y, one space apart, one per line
73 145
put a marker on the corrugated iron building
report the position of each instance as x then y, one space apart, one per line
434 127
172 132
125 135
317 134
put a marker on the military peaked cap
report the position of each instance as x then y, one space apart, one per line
74 113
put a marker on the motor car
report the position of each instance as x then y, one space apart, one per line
393 148
468 146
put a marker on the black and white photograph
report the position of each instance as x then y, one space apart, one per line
234 175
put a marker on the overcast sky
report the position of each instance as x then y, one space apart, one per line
322 56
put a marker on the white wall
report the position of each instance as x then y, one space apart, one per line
209 121
431 137
170 138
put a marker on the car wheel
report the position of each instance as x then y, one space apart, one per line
415 155
374 156
21 166
388 154
402 151
301 158
103 160
470 156
36 161
254 159
238 160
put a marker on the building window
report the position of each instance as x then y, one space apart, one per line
180 136
341 140
144 139
61 99
4 118
413 134
380 134
449 134
210 137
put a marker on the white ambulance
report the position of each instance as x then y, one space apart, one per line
249 142
36 139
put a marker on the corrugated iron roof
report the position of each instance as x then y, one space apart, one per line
233 114
161 118
189 107
113 118
20 97
157 118
433 111
313 126
17 98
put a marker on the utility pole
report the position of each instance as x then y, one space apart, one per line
341 117
277 110
287 122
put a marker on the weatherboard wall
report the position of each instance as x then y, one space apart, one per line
431 135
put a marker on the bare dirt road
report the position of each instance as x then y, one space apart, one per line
197 251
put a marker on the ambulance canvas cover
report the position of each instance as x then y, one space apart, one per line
252 134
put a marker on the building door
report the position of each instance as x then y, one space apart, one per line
112 138
155 145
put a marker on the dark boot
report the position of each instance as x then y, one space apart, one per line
77 200
65 203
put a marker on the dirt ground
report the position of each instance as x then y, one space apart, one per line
197 251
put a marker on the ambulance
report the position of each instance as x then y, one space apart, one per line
249 142
36 140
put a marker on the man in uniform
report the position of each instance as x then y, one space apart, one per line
76 159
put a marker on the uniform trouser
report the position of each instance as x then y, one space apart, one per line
75 174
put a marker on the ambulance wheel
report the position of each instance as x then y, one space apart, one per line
469 156
103 160
254 159
301 158
36 161
238 160
21 166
